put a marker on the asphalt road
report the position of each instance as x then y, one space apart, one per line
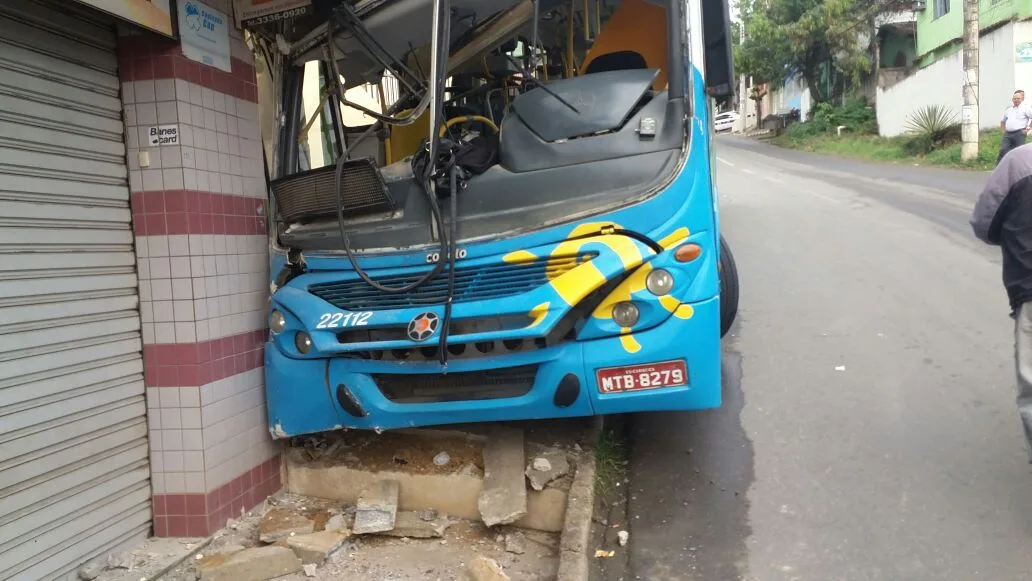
868 431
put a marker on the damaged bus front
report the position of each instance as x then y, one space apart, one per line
493 210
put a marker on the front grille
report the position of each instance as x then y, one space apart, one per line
469 386
472 283
312 194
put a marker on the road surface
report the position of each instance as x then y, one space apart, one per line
869 431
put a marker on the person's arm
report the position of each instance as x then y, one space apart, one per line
989 210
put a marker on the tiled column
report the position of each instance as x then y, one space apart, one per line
202 258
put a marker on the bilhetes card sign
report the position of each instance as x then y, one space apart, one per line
163 135
258 12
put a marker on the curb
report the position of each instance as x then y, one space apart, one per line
580 506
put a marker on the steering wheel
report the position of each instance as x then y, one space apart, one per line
466 119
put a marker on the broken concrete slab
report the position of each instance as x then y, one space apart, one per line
410 524
257 564
503 499
337 522
314 548
546 468
377 508
484 569
279 524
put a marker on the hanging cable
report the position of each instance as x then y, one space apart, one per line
453 250
441 28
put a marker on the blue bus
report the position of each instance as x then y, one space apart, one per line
492 210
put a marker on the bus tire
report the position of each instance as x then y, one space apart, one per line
727 271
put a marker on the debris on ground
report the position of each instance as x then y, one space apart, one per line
314 548
603 554
503 499
257 564
279 524
484 569
515 543
408 524
294 537
377 508
546 468
441 459
623 537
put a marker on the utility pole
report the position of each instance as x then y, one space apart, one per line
743 98
969 115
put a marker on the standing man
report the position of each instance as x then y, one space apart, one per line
1016 124
1003 217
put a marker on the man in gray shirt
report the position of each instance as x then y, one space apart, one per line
1016 122
1003 217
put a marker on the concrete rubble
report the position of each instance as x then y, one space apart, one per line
546 468
257 564
377 508
484 569
503 499
408 524
314 548
279 524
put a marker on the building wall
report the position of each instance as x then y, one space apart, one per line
940 37
942 84
198 217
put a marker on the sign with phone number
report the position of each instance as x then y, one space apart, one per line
256 12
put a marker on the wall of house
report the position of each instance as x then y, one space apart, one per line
939 37
941 84
794 94
894 43
1023 71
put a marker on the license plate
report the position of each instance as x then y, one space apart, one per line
641 377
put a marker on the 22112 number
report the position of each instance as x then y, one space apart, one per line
339 320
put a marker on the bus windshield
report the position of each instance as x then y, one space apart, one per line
400 120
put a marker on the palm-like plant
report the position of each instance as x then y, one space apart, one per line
934 121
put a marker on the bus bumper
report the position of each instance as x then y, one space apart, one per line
316 395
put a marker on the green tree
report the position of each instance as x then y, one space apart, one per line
784 37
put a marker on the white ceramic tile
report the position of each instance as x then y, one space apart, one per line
160 267
182 90
186 332
190 160
194 481
182 289
165 90
196 95
143 272
146 114
179 266
175 483
168 112
129 112
161 312
157 246
144 91
173 178
161 289
152 180
208 98
164 333
178 245
146 312
171 439
148 333
173 461
158 483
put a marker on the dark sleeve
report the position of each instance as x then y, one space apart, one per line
989 210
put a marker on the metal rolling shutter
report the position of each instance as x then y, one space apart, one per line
74 473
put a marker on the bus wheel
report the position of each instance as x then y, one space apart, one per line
727 270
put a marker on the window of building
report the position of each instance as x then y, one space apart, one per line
942 8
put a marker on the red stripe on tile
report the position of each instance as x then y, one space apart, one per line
196 364
171 212
147 57
199 515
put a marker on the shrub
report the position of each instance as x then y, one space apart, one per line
856 114
932 127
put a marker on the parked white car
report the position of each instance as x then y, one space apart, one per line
725 121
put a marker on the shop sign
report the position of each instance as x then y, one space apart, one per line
163 135
1025 52
155 15
256 12
204 34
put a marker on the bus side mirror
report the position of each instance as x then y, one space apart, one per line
716 36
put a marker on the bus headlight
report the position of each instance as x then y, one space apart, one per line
277 322
626 314
659 282
303 342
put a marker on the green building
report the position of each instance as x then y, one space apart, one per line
920 59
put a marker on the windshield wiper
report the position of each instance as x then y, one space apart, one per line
526 73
